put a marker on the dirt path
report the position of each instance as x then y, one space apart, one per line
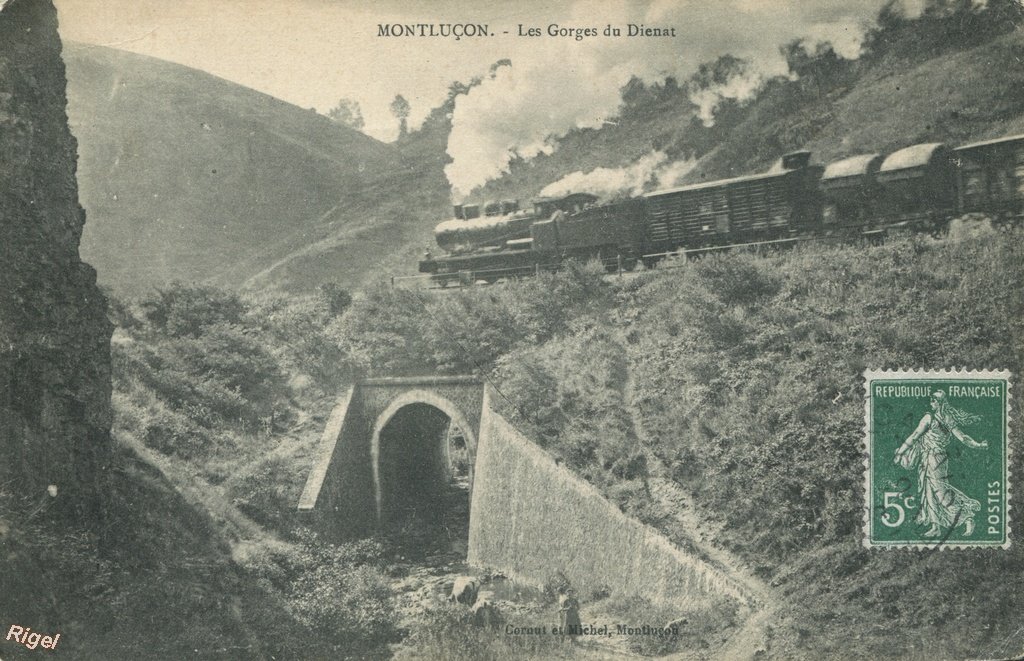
753 639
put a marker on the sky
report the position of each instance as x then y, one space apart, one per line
315 52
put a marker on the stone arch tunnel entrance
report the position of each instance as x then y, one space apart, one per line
421 472
391 445
397 457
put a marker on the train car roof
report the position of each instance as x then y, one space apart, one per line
853 166
993 141
914 156
720 182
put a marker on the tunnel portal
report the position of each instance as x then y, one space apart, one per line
398 454
423 484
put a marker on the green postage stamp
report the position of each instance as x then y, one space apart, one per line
937 467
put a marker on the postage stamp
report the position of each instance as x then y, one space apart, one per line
937 466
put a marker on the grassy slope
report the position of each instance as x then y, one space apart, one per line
166 586
392 223
188 176
954 98
297 201
748 377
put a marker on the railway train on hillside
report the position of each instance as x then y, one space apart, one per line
918 188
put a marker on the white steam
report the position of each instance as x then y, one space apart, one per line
741 87
519 112
650 171
557 84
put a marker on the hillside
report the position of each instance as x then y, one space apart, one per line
955 97
188 176
918 93
243 190
722 402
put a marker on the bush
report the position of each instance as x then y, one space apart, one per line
567 395
186 310
170 433
294 329
340 593
222 376
395 331
268 492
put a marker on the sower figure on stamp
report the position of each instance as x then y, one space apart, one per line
943 506
569 614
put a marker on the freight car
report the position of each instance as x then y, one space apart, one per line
990 177
780 204
917 188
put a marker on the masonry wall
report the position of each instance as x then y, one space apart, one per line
532 518
344 507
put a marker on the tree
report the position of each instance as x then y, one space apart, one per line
348 113
504 62
400 109
818 67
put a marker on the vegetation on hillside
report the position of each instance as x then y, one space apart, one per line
943 69
737 375
222 383
343 207
745 380
273 194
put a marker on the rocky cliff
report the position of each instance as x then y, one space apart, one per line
55 410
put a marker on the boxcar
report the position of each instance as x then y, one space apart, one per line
851 193
777 204
991 176
919 186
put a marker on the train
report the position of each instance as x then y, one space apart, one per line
919 188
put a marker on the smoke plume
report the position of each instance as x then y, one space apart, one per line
651 171
558 84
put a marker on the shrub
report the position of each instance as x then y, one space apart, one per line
568 396
222 375
268 492
186 310
394 331
340 592
170 433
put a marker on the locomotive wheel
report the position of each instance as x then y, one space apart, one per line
629 264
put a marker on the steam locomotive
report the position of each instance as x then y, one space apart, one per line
918 188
